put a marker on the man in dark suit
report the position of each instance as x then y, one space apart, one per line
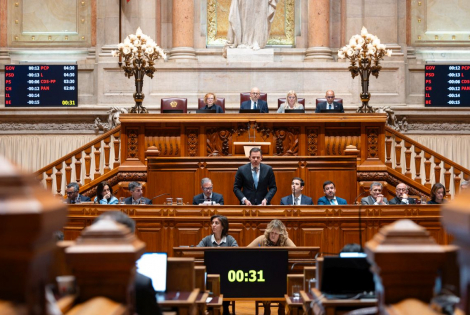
208 196
330 104
376 197
255 102
136 199
256 180
296 198
330 198
72 194
402 196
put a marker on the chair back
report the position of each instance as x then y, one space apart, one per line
220 101
281 101
321 100
246 97
174 103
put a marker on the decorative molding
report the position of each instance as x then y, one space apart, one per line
132 143
287 141
168 141
38 126
218 141
312 141
193 140
336 141
372 142
435 126
116 179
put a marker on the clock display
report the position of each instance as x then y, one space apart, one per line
240 276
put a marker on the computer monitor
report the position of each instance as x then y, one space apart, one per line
206 111
293 111
329 111
346 276
248 111
172 111
249 273
154 266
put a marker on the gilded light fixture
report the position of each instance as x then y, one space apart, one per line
367 51
140 53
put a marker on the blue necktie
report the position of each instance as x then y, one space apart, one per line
254 105
255 176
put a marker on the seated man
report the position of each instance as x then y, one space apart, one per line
329 198
255 102
376 197
296 198
330 104
145 300
136 199
73 196
402 196
208 196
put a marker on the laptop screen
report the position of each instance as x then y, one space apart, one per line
154 265
346 276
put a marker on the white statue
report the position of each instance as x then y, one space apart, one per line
250 23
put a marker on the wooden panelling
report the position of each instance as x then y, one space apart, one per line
330 228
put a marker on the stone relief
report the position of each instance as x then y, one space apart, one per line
113 119
392 120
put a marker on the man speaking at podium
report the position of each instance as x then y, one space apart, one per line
255 183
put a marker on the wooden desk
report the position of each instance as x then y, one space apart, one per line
332 307
214 306
201 302
295 305
185 302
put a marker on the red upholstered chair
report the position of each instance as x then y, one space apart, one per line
174 103
283 100
246 97
320 100
220 101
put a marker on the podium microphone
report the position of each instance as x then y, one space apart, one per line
293 196
160 195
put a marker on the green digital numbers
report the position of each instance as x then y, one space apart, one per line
241 276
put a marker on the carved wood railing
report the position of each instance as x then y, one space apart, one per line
423 157
100 147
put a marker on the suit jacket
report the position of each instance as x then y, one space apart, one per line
145 301
244 181
397 201
217 108
324 201
304 200
217 198
262 105
128 201
322 106
369 200
82 199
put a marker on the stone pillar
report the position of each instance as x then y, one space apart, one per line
318 31
183 31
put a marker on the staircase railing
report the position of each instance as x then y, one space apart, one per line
422 157
83 156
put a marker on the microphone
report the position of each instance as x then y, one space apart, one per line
293 196
362 193
160 195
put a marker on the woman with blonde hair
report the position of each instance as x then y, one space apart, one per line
210 100
291 103
274 235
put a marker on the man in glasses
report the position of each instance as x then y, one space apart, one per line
72 194
330 104
255 102
376 197
208 196
402 196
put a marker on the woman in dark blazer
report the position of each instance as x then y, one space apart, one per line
209 100
438 192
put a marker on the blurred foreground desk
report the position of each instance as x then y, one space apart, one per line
323 305
184 302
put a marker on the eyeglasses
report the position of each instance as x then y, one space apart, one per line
70 192
207 188
210 98
330 97
254 93
402 189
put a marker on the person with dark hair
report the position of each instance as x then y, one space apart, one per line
255 182
330 198
296 198
208 196
137 195
438 192
376 197
351 248
145 301
274 235
219 236
209 100
73 196
401 198
104 195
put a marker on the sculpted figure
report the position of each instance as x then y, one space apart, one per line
250 23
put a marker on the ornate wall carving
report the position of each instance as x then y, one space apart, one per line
192 142
218 141
166 140
287 141
337 140
312 141
372 142
132 143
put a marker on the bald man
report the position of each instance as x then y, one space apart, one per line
255 102
330 103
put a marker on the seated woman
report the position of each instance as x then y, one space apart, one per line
219 236
104 195
291 103
438 192
274 235
209 100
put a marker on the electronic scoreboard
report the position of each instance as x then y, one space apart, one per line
447 85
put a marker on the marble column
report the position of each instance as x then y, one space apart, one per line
183 31
318 31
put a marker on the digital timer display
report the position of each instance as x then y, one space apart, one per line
41 85
249 273
447 85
